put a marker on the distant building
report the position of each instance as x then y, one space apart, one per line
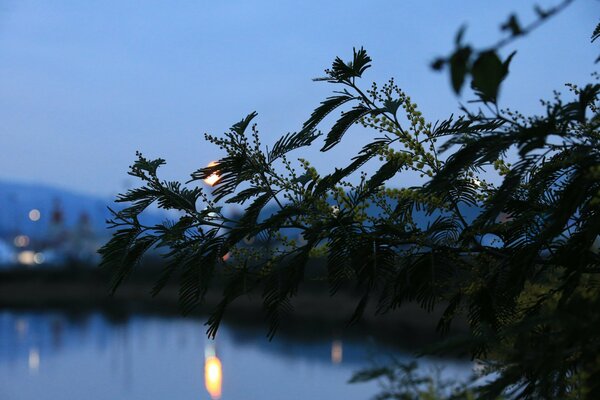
57 232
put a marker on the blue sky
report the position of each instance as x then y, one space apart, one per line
83 85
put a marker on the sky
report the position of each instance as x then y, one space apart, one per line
84 84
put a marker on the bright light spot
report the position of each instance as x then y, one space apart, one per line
34 359
26 257
21 241
337 352
39 258
226 257
213 178
213 376
35 215
477 182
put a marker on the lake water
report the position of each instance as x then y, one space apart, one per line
52 355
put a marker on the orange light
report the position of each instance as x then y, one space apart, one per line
214 177
26 257
337 352
213 376
226 257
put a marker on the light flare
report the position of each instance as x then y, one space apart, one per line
21 241
26 257
35 215
213 376
214 177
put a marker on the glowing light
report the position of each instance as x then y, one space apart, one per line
21 241
34 359
26 257
337 352
39 258
213 376
35 215
214 177
477 182
226 256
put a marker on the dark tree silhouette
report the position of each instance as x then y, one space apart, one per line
524 269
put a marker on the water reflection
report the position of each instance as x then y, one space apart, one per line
337 351
58 356
34 360
213 372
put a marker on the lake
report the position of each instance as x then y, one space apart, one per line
53 355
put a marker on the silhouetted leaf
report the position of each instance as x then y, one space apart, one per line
327 106
512 26
459 67
346 120
488 72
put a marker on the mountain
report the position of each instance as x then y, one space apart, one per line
17 200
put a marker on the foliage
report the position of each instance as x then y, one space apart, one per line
484 64
524 270
403 381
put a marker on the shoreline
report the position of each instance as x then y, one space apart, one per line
314 312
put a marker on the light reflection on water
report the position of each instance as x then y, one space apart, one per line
213 372
53 356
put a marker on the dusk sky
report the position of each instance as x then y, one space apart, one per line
84 84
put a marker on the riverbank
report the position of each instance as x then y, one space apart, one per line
315 311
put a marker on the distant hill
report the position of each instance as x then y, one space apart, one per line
18 199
